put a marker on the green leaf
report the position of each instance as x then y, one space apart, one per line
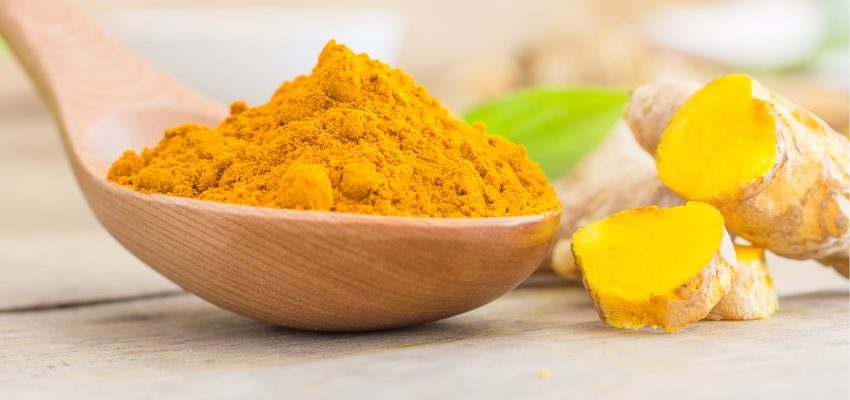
557 125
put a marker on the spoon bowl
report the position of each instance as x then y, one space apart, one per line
302 269
322 270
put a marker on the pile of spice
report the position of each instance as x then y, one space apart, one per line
354 136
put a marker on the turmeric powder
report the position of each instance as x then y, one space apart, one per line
354 136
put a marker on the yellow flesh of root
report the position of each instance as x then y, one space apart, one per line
748 253
648 251
721 139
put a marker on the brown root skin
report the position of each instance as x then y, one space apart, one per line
800 209
689 303
752 295
616 177
651 107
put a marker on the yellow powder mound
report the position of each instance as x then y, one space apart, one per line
354 136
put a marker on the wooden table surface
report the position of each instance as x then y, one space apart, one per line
81 318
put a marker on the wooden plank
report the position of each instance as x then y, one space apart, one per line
181 347
43 270
44 197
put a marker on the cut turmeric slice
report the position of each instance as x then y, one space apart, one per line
720 141
752 295
658 267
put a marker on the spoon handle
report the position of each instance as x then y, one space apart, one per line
82 73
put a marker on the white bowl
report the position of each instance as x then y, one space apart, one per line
246 53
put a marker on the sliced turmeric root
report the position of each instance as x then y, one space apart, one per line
658 267
719 144
752 295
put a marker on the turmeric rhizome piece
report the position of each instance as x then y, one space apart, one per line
658 267
752 295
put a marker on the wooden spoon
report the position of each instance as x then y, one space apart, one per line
310 270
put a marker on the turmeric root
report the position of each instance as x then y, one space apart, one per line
617 176
778 174
752 295
659 267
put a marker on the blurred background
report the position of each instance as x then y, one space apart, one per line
464 51
470 50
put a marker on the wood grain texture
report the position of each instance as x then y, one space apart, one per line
180 347
311 270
